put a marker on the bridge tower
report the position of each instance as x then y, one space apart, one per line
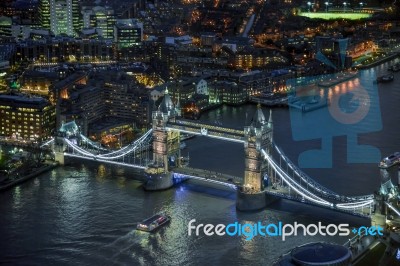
258 136
387 194
66 130
166 148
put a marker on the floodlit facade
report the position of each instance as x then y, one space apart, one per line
26 118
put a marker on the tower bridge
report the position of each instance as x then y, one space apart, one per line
268 175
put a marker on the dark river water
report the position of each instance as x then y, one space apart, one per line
86 213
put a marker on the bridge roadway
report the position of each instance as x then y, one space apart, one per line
212 131
209 175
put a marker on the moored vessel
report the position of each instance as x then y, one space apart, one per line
385 78
390 160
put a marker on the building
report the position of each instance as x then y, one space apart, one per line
128 33
332 52
193 107
38 82
19 10
44 13
227 92
106 96
233 95
60 16
62 88
201 87
208 38
26 118
6 51
5 26
84 105
253 82
64 49
101 18
257 58
182 89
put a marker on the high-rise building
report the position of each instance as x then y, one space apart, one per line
128 32
101 18
60 16
44 13
76 15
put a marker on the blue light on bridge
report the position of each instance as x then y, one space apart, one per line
178 178
266 179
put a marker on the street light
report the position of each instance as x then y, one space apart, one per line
326 6
361 5
309 6
344 6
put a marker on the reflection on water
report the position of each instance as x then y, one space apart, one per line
77 218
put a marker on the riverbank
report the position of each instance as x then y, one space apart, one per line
195 116
272 101
383 60
41 170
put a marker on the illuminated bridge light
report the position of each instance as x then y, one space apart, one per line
310 196
105 161
183 176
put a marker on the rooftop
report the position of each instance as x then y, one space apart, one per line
69 80
23 101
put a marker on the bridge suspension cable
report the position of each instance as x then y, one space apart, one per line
107 161
47 143
145 135
292 184
92 143
309 195
392 208
323 191
115 154
127 149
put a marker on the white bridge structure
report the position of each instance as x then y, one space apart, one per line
269 173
